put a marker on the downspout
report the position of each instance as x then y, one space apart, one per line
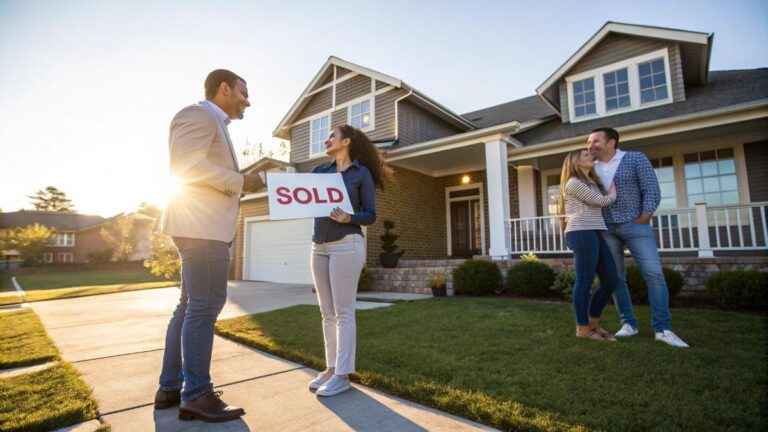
397 114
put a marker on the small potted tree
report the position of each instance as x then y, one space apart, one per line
390 256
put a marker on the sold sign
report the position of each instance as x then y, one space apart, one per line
296 196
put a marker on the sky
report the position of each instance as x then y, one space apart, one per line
88 88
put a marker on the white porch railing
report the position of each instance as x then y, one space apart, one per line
702 229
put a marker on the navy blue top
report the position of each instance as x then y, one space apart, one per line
362 196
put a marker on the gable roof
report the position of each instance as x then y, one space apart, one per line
282 129
523 110
662 33
58 220
724 89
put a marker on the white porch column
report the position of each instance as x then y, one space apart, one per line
497 171
526 191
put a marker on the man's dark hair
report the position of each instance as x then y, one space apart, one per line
610 134
215 78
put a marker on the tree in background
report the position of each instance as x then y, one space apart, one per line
165 259
121 236
52 200
148 209
30 241
252 153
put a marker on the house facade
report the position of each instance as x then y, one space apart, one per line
485 183
76 236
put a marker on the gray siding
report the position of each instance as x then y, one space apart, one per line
339 117
416 125
352 88
565 114
340 72
327 78
300 142
756 154
384 115
380 85
676 70
317 103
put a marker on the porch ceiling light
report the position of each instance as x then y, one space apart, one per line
465 179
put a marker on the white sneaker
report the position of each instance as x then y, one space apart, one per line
626 331
670 338
334 386
319 380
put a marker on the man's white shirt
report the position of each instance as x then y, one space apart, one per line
606 170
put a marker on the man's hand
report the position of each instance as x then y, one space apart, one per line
644 219
252 183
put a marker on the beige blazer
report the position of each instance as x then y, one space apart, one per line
203 159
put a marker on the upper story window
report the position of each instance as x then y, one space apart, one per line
360 115
584 97
319 129
632 84
62 239
653 81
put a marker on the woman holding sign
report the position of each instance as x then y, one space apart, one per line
338 251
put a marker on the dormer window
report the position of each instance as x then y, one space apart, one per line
360 115
632 84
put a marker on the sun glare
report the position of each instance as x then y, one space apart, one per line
171 186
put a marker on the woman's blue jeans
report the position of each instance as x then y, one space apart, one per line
591 256
204 268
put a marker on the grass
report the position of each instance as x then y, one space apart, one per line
51 286
515 365
24 340
46 400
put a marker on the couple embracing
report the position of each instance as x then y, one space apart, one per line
608 197
202 221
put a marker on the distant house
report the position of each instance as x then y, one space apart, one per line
485 183
76 235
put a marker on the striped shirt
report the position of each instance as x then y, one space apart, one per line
582 206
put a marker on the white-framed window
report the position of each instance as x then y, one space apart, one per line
47 257
629 85
665 173
710 176
319 130
63 239
361 116
65 257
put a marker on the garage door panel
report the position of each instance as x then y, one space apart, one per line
279 251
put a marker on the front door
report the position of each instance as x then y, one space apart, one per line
465 228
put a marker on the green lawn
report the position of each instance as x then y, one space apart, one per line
24 340
515 364
50 286
46 400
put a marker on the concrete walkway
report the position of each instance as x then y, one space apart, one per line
116 341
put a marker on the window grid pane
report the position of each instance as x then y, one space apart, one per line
711 178
616 89
653 81
360 115
320 133
584 97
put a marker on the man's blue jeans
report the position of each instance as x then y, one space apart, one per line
591 256
638 238
204 268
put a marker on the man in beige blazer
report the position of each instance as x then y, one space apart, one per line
202 220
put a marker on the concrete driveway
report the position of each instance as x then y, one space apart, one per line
116 341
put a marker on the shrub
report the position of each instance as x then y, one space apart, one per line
476 277
529 257
739 289
530 278
102 257
564 282
638 289
365 275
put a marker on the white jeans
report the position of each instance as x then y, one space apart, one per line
336 270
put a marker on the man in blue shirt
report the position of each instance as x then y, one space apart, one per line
628 221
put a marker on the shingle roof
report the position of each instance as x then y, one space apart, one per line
723 89
59 221
520 110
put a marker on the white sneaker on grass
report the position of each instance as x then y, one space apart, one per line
337 384
319 380
670 338
626 331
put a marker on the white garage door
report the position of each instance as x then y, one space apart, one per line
279 251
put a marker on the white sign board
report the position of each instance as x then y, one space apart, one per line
297 196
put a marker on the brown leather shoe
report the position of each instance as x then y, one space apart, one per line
166 399
209 408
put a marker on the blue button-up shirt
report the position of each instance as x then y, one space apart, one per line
362 196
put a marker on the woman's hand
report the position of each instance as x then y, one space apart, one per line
340 216
612 191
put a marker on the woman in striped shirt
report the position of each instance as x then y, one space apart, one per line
582 197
